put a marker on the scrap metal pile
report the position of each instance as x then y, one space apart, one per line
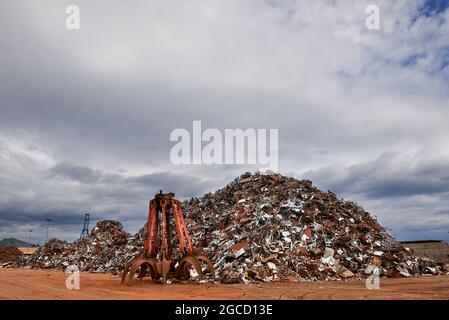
270 227
260 227
9 255
106 249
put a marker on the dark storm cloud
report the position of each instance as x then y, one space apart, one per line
74 172
64 192
186 185
86 115
428 227
99 190
390 175
408 191
15 214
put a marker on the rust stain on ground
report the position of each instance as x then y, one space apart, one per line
50 284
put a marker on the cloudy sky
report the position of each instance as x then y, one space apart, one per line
86 115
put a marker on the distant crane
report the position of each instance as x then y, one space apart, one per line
85 231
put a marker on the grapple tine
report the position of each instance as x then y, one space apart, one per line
209 264
152 264
127 267
188 261
133 270
165 268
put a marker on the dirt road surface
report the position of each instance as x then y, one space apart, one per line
50 284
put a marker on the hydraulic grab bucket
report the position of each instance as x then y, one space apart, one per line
156 259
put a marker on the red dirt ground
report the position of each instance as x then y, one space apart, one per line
50 284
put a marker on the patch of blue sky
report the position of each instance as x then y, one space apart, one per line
433 7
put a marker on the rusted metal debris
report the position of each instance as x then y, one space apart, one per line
268 227
106 249
260 227
9 255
